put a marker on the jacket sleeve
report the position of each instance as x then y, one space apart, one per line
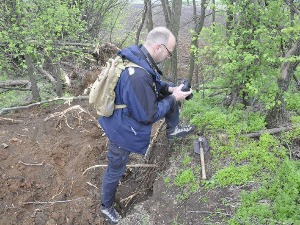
141 98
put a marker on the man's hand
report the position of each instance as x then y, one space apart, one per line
179 95
171 89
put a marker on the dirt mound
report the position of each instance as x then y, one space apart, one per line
45 157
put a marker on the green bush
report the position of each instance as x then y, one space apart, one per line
276 202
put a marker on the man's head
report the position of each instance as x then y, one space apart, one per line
160 43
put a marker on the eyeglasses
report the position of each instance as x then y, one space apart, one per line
170 54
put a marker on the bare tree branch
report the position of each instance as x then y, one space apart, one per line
5 110
292 5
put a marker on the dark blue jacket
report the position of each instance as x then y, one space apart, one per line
130 127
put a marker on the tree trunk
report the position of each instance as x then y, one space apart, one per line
167 12
198 27
34 86
149 15
137 39
213 20
278 115
58 87
172 14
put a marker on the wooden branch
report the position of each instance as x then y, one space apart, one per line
47 75
269 131
212 87
74 44
32 164
38 203
13 88
5 110
147 155
10 120
292 5
14 83
131 166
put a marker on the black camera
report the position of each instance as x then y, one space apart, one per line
186 87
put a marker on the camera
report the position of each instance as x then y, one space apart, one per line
186 87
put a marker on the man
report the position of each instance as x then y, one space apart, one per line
129 129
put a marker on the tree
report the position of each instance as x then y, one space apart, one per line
36 36
257 55
278 114
30 31
172 14
199 22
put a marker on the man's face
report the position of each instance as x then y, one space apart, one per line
164 51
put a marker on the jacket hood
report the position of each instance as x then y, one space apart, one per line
135 55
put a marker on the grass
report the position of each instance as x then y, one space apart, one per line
241 161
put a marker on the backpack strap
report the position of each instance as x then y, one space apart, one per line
120 106
123 66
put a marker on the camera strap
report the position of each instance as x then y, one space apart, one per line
150 59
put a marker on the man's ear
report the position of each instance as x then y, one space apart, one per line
157 46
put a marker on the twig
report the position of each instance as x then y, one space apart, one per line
209 212
135 165
89 183
71 187
21 135
129 198
10 120
58 193
32 164
38 203
70 99
148 152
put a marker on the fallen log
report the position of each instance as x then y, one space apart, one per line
269 131
14 83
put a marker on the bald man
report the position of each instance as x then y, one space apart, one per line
147 99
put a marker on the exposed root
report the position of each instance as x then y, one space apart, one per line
8 120
32 164
39 203
63 115
127 200
135 165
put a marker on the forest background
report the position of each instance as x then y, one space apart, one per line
241 58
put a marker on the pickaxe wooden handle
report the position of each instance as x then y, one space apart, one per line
202 161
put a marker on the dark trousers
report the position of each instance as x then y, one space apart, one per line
118 158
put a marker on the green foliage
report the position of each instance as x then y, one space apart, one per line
235 175
234 120
241 161
187 181
251 161
186 160
277 201
294 134
248 57
184 177
292 101
12 98
27 28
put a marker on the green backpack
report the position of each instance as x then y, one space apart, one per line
102 95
